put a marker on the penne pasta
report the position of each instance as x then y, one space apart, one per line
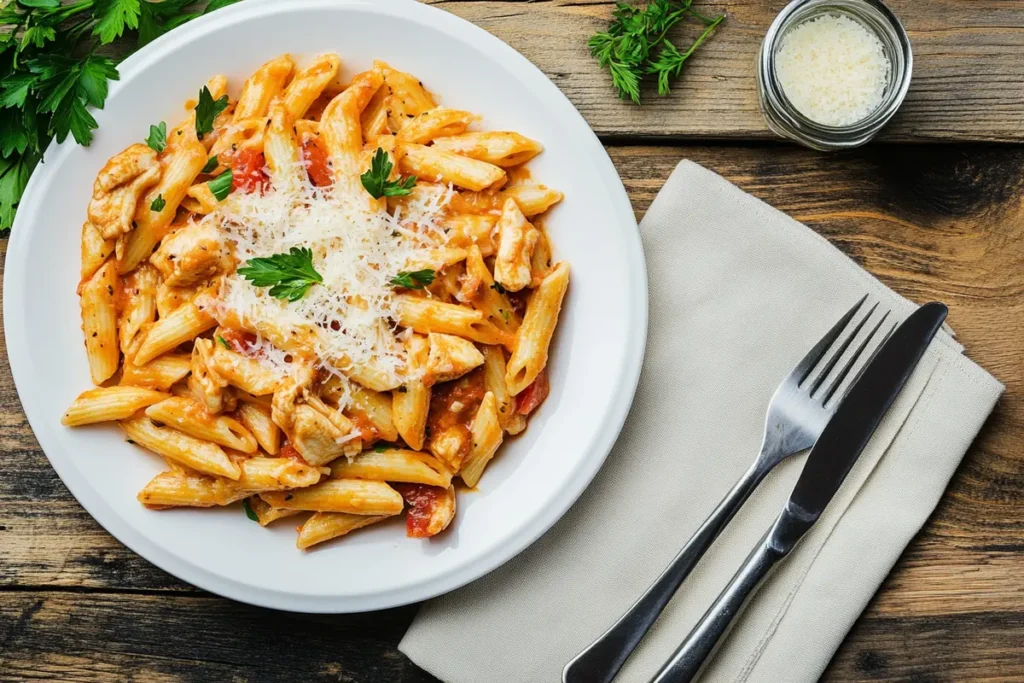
467 230
276 474
394 465
256 419
188 416
500 148
341 130
427 315
182 489
201 456
309 83
106 404
509 418
354 496
323 526
160 373
487 436
265 513
98 296
437 165
534 336
138 305
374 408
262 87
180 162
411 401
182 325
433 124
281 149
486 297
95 250
532 199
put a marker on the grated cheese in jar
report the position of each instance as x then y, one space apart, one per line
833 69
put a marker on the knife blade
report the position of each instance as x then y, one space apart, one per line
828 463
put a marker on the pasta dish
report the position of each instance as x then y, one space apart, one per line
319 299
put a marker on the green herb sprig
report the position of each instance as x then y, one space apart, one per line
207 110
376 180
222 184
289 276
51 73
636 44
416 279
157 139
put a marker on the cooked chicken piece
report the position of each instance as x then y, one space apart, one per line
119 186
192 254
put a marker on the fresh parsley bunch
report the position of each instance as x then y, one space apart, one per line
51 72
636 44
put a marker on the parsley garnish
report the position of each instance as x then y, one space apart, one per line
383 446
207 109
636 44
416 279
51 74
498 288
157 139
376 179
211 164
222 184
289 276
158 204
223 342
249 512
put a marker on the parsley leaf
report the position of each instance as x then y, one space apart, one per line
223 342
221 185
416 279
636 44
158 204
211 164
207 109
114 16
496 286
249 512
157 139
383 446
376 179
289 276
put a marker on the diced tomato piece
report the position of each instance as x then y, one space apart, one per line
316 163
533 395
290 451
422 499
247 172
239 340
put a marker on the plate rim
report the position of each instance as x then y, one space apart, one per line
602 438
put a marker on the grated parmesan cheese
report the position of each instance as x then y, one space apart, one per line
357 249
833 69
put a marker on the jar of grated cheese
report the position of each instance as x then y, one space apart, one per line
831 73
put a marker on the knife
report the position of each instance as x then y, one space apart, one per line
828 463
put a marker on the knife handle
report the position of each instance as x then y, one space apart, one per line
602 659
700 644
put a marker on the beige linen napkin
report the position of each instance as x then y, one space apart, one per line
738 293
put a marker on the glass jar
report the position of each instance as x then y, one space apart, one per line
786 120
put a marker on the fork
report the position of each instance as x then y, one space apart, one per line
796 416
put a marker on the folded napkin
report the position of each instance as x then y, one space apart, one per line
738 293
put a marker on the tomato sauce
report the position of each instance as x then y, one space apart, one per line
422 501
316 163
453 405
240 341
247 172
533 395
362 424
290 451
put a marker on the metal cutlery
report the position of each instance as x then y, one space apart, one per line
797 413
830 460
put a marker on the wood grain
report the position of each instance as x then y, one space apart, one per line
943 222
966 85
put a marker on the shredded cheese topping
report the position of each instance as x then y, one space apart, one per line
833 69
357 249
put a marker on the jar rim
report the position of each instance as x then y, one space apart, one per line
876 17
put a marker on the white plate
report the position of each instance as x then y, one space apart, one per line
595 360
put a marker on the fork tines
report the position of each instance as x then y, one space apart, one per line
835 347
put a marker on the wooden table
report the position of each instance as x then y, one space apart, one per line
930 209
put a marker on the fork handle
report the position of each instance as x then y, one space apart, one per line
602 659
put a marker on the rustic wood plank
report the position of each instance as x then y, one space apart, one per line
941 222
966 85
79 638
